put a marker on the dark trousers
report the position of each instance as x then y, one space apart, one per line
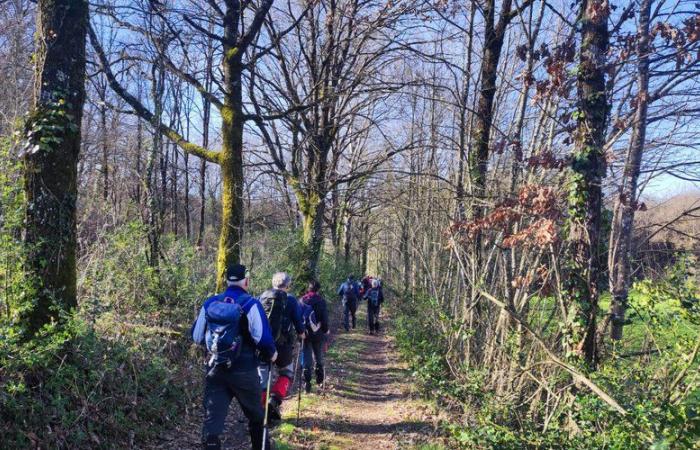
221 385
349 310
373 317
313 351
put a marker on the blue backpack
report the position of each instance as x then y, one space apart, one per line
373 297
223 336
309 317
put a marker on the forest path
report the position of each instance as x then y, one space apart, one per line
367 402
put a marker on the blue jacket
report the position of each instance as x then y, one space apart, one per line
295 313
349 285
257 336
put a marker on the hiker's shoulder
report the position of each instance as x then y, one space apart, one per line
211 299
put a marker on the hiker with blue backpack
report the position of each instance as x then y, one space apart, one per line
235 330
284 315
315 313
375 298
349 292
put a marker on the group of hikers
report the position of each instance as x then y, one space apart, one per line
369 289
246 336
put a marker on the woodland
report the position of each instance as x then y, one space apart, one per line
524 176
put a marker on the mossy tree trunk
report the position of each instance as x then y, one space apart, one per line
237 37
585 184
51 159
312 205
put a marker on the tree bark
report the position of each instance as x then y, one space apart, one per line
620 255
493 43
585 195
152 195
51 160
231 157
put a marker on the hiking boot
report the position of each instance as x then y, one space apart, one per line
273 409
212 443
320 375
307 386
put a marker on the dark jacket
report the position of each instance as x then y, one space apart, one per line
315 301
346 286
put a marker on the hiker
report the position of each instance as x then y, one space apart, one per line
349 291
375 298
366 284
284 314
233 326
316 316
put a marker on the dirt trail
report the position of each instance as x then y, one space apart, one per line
366 404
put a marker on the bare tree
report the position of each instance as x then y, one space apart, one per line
236 36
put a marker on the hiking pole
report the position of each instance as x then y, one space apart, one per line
267 403
301 372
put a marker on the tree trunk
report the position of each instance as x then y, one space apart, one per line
231 161
312 206
51 160
152 195
105 151
588 170
347 239
205 143
493 43
463 109
620 256
186 157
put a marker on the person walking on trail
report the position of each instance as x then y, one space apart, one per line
315 313
234 328
349 292
284 314
375 298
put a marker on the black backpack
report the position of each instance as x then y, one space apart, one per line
274 302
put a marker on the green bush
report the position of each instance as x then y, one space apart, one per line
115 276
74 388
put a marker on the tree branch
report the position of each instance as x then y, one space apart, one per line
142 111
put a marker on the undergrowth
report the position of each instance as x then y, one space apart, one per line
121 370
653 374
